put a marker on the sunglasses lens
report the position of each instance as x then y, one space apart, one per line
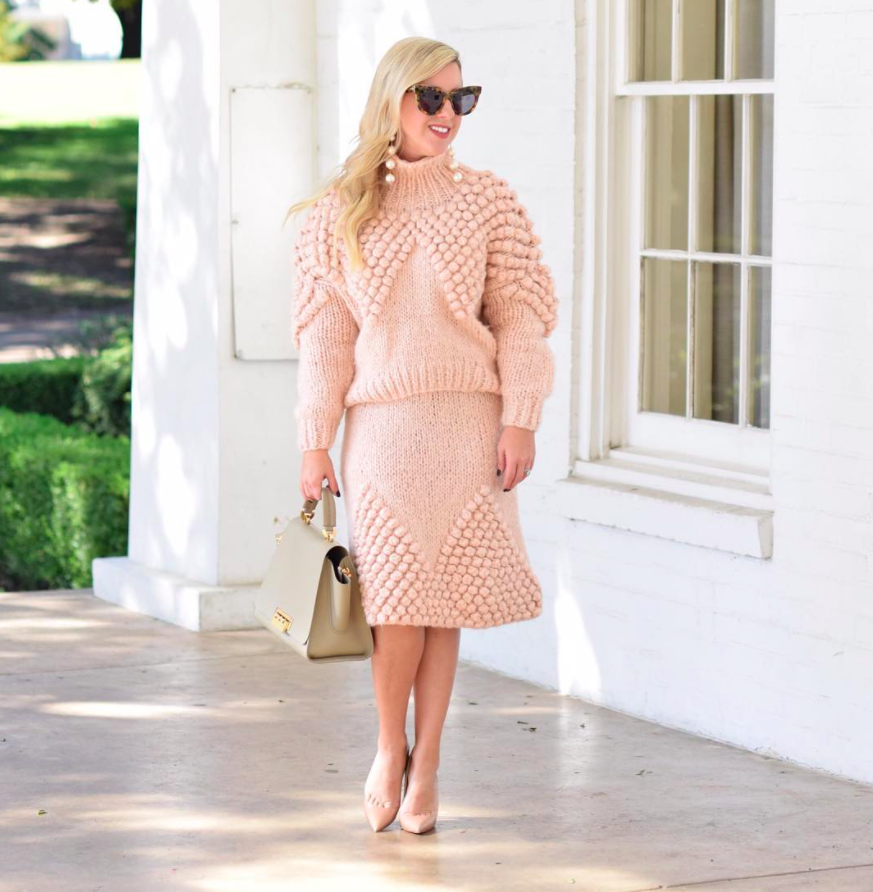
430 100
464 102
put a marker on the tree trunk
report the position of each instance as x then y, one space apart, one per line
131 26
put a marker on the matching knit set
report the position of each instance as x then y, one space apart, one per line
430 349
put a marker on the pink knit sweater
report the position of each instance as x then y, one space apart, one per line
453 296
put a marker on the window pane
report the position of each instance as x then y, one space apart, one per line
717 341
664 341
761 183
703 40
719 160
760 278
666 172
651 35
754 41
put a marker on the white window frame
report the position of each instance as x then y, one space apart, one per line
626 469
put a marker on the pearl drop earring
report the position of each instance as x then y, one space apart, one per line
457 176
391 164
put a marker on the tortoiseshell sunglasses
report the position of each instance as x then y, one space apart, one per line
430 99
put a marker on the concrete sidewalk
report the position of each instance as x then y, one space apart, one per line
167 759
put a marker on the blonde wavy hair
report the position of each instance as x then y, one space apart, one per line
359 182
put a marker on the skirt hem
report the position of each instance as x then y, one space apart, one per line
461 624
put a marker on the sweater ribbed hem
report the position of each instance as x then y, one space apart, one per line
396 383
316 431
522 410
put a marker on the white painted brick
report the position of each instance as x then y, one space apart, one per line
807 8
848 375
811 341
831 565
829 312
837 439
849 534
825 405
803 462
834 499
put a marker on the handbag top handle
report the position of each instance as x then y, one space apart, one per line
328 509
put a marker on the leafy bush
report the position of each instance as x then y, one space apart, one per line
102 401
64 499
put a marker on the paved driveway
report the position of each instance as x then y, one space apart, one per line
62 262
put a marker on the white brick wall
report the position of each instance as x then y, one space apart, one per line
775 656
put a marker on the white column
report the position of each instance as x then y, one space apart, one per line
226 145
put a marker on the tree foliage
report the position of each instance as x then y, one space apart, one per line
20 41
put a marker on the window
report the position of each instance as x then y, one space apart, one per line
672 379
689 275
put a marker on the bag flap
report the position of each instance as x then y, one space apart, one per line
295 576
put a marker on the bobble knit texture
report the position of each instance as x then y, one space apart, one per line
453 296
429 350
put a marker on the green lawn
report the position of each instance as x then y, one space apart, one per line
70 160
73 161
70 130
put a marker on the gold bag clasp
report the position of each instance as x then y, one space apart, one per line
281 620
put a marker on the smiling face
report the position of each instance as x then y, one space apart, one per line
420 131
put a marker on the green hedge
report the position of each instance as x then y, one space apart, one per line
64 497
91 391
48 386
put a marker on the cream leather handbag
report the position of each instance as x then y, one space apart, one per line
310 596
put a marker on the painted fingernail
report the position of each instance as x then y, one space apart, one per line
498 472
338 493
506 490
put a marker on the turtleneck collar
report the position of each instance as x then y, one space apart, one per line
419 184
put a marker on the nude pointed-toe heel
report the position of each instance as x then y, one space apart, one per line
381 814
419 822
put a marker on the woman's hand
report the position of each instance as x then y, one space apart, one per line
515 452
316 466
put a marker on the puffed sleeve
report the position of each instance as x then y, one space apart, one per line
520 307
324 331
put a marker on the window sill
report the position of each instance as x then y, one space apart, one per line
726 509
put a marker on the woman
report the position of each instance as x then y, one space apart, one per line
421 309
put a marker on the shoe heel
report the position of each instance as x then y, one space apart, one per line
420 822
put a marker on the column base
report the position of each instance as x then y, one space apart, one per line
174 599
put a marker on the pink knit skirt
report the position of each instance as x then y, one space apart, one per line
434 538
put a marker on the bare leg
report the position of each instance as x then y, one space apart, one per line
433 691
397 650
